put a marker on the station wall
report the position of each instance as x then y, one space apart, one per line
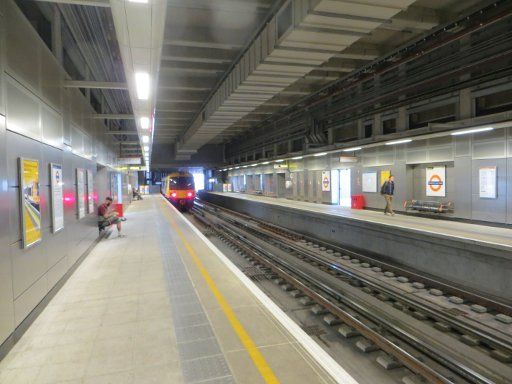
462 156
41 120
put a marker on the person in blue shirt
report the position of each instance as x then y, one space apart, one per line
387 190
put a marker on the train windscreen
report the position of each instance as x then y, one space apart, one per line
181 182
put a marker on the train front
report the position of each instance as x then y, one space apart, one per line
181 191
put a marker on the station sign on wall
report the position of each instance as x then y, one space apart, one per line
487 183
326 181
370 182
31 233
56 197
436 181
80 192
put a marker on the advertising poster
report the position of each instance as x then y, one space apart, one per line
56 197
488 182
326 181
80 192
90 192
30 204
370 182
436 181
384 176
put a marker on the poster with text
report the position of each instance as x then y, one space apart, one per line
80 192
436 181
326 181
488 182
30 202
384 176
90 192
56 197
370 182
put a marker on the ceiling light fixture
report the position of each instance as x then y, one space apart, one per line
473 130
146 148
279 161
144 122
352 149
139 1
297 158
320 154
142 85
399 142
265 162
145 139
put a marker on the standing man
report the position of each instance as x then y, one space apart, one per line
387 190
107 216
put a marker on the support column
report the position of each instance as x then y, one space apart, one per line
402 123
465 104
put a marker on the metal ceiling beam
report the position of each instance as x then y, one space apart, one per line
93 3
114 116
202 44
128 133
188 59
94 84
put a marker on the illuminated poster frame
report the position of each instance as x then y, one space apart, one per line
56 197
90 192
488 182
80 193
30 205
370 182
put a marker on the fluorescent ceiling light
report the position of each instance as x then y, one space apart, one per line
279 161
320 154
352 149
237 167
139 1
254 165
472 130
265 162
144 122
145 139
146 148
297 158
142 85
399 142
230 169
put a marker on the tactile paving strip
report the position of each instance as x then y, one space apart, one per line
201 358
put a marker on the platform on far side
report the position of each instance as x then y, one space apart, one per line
492 236
158 306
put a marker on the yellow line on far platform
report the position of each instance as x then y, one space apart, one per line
259 361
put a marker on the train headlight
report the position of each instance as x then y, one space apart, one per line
189 194
173 194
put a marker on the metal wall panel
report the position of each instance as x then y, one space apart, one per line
22 110
6 295
51 126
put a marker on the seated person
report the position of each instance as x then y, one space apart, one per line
136 194
108 216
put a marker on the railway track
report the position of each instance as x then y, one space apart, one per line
438 346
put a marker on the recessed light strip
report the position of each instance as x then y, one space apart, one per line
472 130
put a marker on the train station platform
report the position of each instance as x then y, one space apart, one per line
474 255
163 305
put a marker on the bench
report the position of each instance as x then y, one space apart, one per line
428 206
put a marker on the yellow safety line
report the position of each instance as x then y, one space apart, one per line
256 356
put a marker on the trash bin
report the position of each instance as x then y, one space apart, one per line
358 202
119 209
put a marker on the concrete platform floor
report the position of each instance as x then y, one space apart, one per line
497 237
156 307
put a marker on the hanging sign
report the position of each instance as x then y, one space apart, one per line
90 192
487 182
30 202
436 181
326 181
56 197
80 193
